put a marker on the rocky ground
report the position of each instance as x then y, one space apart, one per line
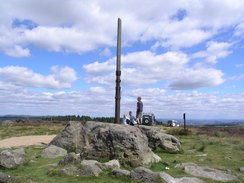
92 149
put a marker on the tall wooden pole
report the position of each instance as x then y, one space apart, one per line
118 74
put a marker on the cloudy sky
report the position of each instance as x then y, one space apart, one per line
57 57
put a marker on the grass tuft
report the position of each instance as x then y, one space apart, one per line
180 132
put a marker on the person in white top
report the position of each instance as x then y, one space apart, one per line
124 119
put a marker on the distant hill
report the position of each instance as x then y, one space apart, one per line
16 117
189 122
208 122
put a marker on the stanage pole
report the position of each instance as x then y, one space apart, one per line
118 74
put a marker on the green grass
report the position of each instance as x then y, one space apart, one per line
39 170
25 130
223 152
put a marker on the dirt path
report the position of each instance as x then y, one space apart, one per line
26 141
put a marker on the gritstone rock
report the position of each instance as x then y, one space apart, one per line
111 164
147 176
53 152
12 158
96 140
158 140
119 172
71 170
91 170
69 159
4 177
207 172
144 175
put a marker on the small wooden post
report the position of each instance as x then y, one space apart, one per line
184 117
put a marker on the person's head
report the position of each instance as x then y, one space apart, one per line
124 115
130 113
139 98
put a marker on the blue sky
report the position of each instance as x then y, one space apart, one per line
58 57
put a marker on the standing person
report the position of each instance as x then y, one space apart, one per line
132 119
139 110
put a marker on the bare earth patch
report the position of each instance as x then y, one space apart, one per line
26 141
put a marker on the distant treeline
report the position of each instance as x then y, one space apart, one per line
79 118
17 117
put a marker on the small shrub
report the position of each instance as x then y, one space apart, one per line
103 160
218 134
180 132
202 147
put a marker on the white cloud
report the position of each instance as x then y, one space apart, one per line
239 65
9 87
187 39
215 50
65 39
238 77
10 40
192 79
22 76
146 68
17 51
80 27
100 102
239 30
106 52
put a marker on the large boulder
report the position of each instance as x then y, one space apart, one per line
112 164
4 177
147 176
120 173
206 172
96 140
53 151
71 170
166 178
69 159
12 158
91 170
158 140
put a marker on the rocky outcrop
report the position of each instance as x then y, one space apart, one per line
53 152
4 177
166 178
71 170
206 172
147 176
119 172
12 158
112 164
144 175
91 170
69 159
158 140
96 140
73 138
